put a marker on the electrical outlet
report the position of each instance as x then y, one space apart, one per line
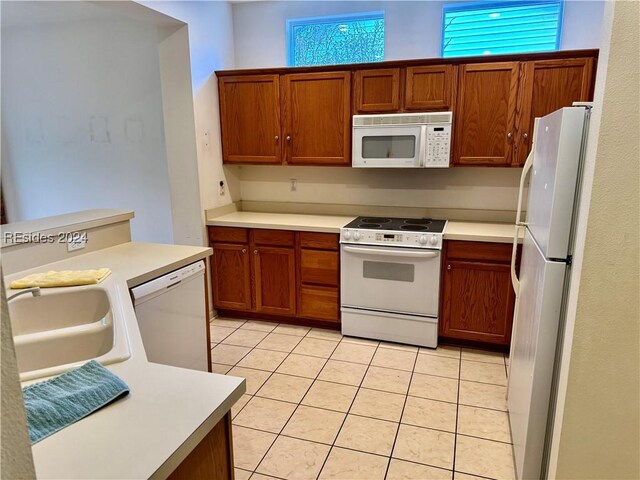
76 242
294 185
221 187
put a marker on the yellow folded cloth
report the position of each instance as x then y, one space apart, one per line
65 278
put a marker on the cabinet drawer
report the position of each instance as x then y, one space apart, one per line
319 302
319 267
228 235
481 251
281 238
322 241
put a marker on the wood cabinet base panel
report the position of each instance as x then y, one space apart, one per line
212 459
303 322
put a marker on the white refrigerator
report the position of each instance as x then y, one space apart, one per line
555 167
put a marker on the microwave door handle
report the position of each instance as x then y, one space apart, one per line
388 253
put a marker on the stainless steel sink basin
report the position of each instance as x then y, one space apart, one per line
65 327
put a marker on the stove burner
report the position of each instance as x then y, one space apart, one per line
375 220
414 228
369 225
418 221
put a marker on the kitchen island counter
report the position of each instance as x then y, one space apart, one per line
169 410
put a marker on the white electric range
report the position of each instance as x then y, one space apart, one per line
390 279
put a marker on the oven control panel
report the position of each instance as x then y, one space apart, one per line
391 238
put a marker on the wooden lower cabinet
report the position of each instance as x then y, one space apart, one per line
291 276
231 263
212 458
477 296
274 274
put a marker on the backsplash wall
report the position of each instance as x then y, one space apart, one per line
454 188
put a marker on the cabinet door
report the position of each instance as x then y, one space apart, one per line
430 87
485 114
250 119
377 90
317 118
231 278
546 86
478 302
275 280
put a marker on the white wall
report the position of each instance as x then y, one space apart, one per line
211 47
82 119
597 423
459 188
412 28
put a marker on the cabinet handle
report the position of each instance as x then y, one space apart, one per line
288 138
255 252
525 136
244 250
509 135
448 267
277 138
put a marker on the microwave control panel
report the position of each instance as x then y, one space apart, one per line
438 146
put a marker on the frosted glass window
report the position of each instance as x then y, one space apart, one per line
336 39
493 28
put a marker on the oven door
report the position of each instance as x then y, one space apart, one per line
388 147
390 279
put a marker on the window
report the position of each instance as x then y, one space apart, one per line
489 28
336 39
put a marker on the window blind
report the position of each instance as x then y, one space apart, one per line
501 27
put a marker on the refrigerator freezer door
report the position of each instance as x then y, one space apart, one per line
552 188
532 355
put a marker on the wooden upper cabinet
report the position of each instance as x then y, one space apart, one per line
275 280
430 87
485 114
546 86
250 119
377 90
317 118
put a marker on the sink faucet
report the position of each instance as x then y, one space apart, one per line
35 291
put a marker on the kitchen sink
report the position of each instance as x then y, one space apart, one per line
66 327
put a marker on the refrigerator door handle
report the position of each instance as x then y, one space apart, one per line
523 177
519 223
515 281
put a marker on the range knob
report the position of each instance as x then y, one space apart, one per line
433 240
346 234
423 239
356 236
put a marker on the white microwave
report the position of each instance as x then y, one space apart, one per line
402 140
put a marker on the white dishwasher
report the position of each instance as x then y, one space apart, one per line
172 319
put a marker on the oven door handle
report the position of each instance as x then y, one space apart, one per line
390 253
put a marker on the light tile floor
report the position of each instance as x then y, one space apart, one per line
320 405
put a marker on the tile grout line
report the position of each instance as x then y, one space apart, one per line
455 434
346 414
378 346
298 404
404 405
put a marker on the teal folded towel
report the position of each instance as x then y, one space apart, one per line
60 401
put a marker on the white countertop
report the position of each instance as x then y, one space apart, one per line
83 220
480 232
169 410
282 221
469 231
